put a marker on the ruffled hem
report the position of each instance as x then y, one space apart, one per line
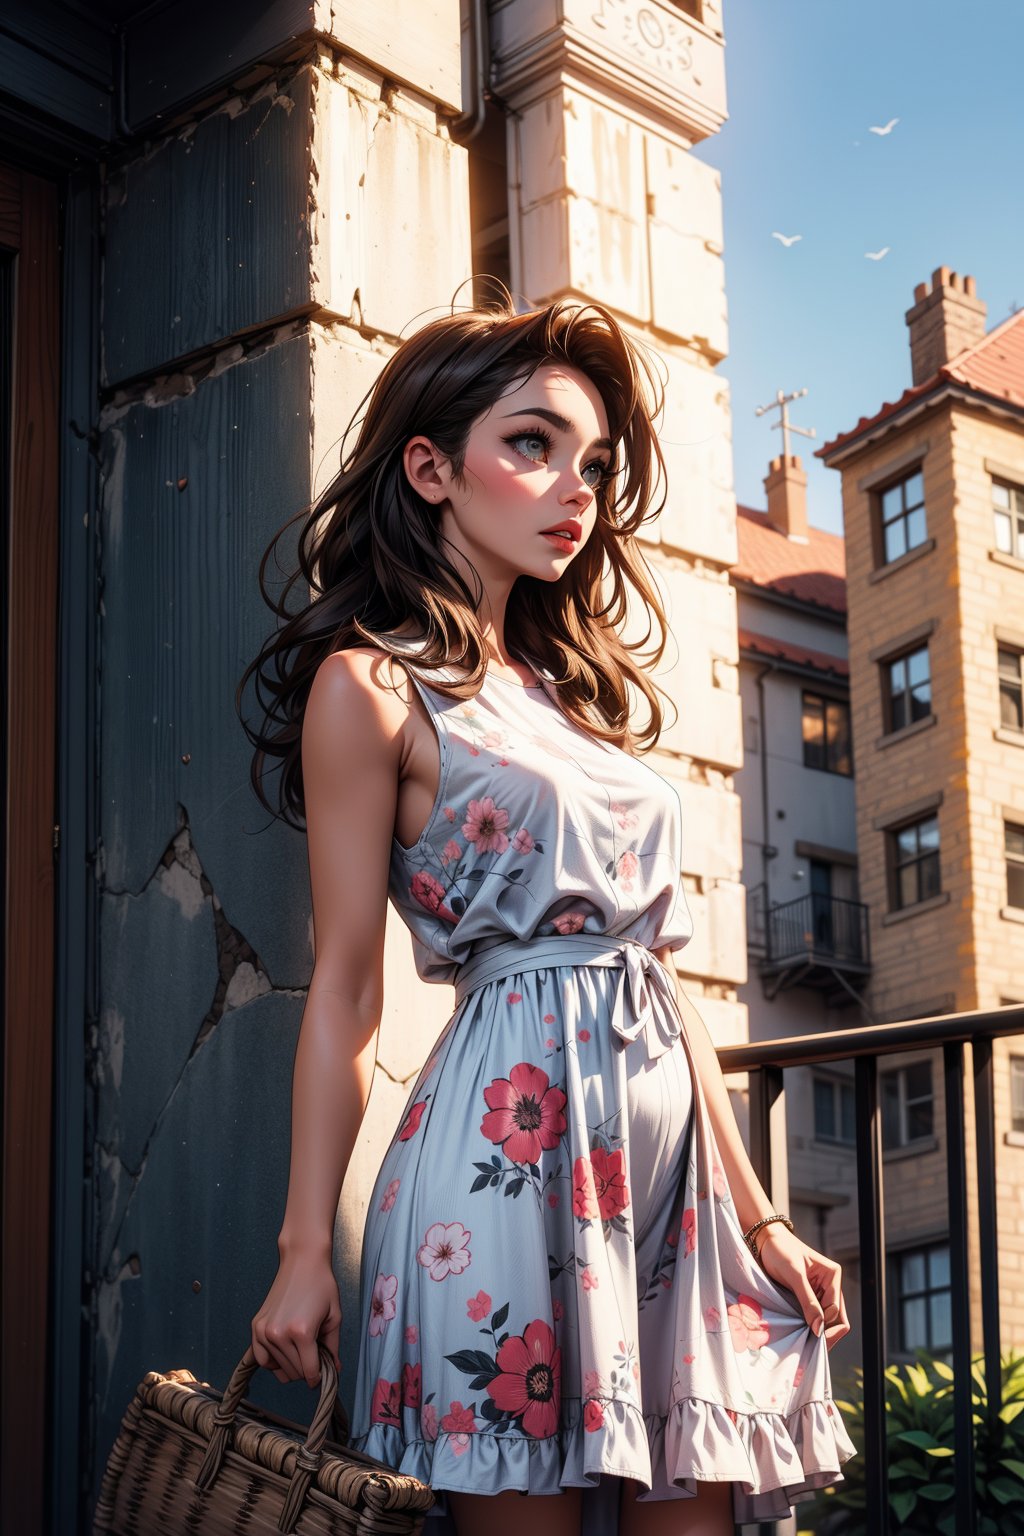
774 1460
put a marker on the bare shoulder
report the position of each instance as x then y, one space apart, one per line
358 692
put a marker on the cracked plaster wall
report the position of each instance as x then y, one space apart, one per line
232 369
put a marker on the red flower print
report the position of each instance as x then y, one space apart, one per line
628 868
449 811
689 1359
478 1306
514 997
388 1198
590 1278
568 922
553 1200
584 1195
549 1018
610 1181
522 842
732 1414
451 852
411 1385
557 1310
428 1418
526 1114
384 1408
689 1229
593 1415
444 1249
712 1316
799 1376
412 1121
382 1303
459 1420
584 1035
672 1239
429 892
529 1383
748 1331
412 1334
485 825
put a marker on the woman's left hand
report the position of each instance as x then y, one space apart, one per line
815 1280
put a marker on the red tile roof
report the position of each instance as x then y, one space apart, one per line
993 366
788 650
813 573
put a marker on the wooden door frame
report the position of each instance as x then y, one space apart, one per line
29 226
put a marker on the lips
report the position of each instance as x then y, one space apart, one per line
570 528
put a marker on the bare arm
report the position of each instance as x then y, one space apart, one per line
351 758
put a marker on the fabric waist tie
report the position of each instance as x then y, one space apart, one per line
643 978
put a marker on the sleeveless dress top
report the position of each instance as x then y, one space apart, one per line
554 1288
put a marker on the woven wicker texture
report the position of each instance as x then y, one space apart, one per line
190 1460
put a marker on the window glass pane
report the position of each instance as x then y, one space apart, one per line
1015 885
914 489
898 674
928 833
917 667
938 1267
917 530
1004 537
1000 495
1014 838
912 1278
1017 1086
942 1320
918 1076
895 540
919 1120
906 842
1009 664
824 1108
890 1111
921 700
1011 707
849 1130
892 502
907 888
930 883
915 1324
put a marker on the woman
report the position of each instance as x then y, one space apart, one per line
556 1296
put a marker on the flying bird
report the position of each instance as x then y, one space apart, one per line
877 255
786 239
890 125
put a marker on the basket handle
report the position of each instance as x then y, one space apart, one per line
308 1455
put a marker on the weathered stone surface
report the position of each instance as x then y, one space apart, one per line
684 199
197 1251
208 234
418 44
702 617
182 616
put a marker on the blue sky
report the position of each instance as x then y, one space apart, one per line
805 80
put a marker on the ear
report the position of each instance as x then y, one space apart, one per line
427 471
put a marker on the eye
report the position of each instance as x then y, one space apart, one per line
597 474
531 445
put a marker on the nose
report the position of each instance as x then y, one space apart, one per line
578 493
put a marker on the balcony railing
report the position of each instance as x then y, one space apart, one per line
766 1062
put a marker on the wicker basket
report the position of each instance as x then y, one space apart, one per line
188 1460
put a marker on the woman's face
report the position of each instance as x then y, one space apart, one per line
525 503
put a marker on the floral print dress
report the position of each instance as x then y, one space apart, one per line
554 1289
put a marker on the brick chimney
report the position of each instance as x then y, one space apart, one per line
786 486
945 318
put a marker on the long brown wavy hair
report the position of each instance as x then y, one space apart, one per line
377 568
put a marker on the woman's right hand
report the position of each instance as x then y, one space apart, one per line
302 1307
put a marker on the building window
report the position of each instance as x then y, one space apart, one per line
1008 514
915 856
909 688
908 1105
833 1110
921 1290
1017 1093
826 732
1011 689
903 520
1014 836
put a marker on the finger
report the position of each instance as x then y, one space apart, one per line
330 1337
285 1355
810 1306
309 1359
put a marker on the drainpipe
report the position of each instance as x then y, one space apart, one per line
768 851
465 128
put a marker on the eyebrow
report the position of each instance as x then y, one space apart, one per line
561 422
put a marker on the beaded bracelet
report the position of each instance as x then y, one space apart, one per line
748 1236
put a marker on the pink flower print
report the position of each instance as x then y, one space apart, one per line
799 1376
429 892
449 811
557 1310
514 997
584 1035
444 1250
748 1330
412 1380
712 1316
459 1420
382 1304
721 1188
628 868
590 1278
428 1421
549 1042
732 1414
689 1229
412 1121
626 818
529 1382
492 740
553 1200
549 1018
485 826
522 842
584 1195
592 1384
610 1181
384 1407
593 1415
478 1306
474 751
568 922
412 1334
525 1113
460 1443
689 1359
451 852
389 1195
672 1238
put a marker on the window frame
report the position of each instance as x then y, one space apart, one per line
897 864
884 523
1014 687
1014 861
1013 514
907 691
897 1260
843 706
837 1085
904 1104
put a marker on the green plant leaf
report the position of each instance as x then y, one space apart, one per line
919 1437
1009 1411
902 1503
1016 1467
936 1492
942 1369
1004 1490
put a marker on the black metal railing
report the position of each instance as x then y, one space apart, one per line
766 1062
815 925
